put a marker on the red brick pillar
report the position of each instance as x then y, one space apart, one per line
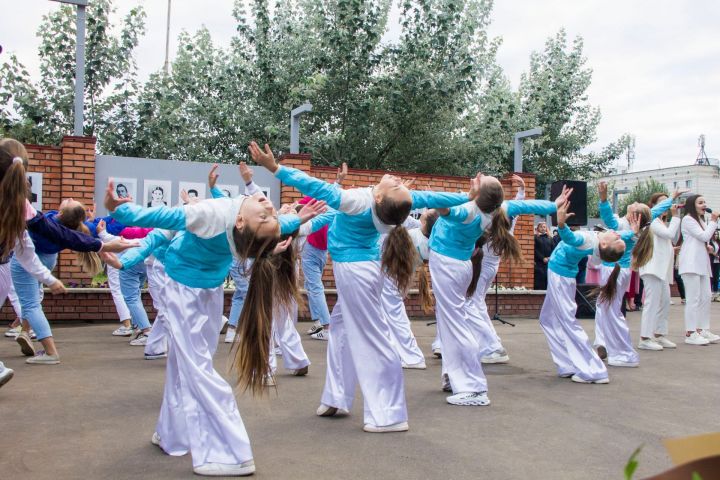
78 182
520 274
301 161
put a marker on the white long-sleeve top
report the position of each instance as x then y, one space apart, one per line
661 263
693 254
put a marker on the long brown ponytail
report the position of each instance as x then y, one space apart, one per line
643 251
254 331
503 242
13 194
399 256
607 292
425 295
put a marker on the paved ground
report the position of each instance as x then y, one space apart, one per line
93 415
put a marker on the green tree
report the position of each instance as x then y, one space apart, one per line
42 112
640 193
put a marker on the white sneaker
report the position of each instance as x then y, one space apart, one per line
140 340
650 344
321 335
328 411
709 336
278 351
223 470
469 399
620 363
5 374
696 339
155 439
315 327
398 427
300 372
13 332
26 346
445 385
42 358
269 381
230 335
415 366
437 352
499 356
155 356
123 331
601 381
33 335
225 325
664 342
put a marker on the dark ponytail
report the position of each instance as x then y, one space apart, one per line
644 247
13 194
476 260
606 293
426 298
399 256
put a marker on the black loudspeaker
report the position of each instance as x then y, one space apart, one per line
578 201
585 303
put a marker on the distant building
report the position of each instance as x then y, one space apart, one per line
701 179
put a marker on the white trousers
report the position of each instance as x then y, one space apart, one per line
611 329
288 338
7 289
359 350
697 301
478 315
157 342
460 346
113 275
569 344
199 413
656 307
401 334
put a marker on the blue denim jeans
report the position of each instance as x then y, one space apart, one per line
29 291
313 264
241 275
131 282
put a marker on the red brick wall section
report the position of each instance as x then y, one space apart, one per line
516 275
68 171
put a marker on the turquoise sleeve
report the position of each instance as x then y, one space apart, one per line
629 238
569 237
321 220
423 199
132 257
457 215
288 223
310 186
661 208
217 193
532 207
607 215
155 217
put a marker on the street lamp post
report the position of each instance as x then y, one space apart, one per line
295 126
79 63
535 132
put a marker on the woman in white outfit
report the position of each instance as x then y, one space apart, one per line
695 270
657 276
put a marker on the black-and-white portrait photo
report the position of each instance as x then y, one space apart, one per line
126 187
193 189
157 193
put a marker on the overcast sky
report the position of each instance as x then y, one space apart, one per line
656 63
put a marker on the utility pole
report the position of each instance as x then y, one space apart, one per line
166 67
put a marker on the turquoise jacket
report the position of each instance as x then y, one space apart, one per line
577 245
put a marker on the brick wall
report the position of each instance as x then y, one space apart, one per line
68 171
516 275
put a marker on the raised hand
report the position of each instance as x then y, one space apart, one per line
564 196
119 245
562 213
90 213
111 201
263 158
100 227
474 187
285 208
518 180
714 216
634 221
342 173
679 191
674 210
282 246
603 191
246 172
312 209
213 176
